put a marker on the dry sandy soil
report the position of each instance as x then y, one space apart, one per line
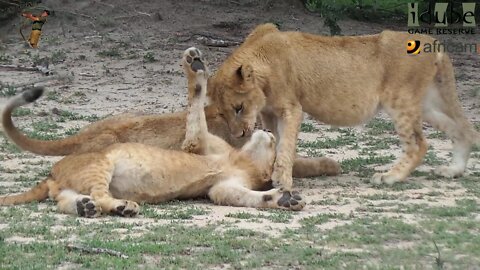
125 56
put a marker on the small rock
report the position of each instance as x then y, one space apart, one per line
56 111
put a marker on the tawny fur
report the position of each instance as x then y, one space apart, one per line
342 81
115 179
165 131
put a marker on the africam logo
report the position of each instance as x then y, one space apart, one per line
414 47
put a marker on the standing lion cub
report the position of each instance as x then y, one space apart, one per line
342 81
114 180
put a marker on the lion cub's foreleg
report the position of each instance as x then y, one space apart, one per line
287 125
233 192
197 138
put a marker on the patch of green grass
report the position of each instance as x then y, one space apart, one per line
464 208
471 184
359 164
375 143
8 91
378 126
373 231
310 222
400 186
241 215
171 211
52 95
72 131
7 147
330 201
21 112
381 196
112 53
278 215
308 127
432 159
45 126
5 59
71 116
347 138
58 57
149 57
437 135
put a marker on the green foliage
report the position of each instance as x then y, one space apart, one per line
149 57
5 59
8 91
363 10
11 8
112 52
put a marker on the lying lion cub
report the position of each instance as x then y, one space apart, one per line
342 81
165 131
115 179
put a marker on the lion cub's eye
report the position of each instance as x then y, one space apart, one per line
238 109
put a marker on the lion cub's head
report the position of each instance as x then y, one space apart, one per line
261 149
237 92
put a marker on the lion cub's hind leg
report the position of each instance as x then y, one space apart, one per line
457 128
70 202
94 178
110 205
407 118
233 193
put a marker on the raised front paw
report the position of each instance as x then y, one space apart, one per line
192 60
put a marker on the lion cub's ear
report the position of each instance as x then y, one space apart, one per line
246 77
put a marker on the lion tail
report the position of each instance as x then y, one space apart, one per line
37 193
60 147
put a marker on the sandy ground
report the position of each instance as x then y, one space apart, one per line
111 85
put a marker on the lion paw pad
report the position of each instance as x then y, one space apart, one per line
291 200
87 208
192 57
126 209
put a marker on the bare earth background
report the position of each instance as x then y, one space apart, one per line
125 56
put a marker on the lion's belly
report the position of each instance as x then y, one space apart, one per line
157 177
347 112
342 106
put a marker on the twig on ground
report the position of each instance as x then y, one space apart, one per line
208 39
74 13
211 42
72 247
438 259
132 16
59 77
84 74
143 13
42 69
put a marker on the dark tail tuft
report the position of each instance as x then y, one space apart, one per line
33 94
